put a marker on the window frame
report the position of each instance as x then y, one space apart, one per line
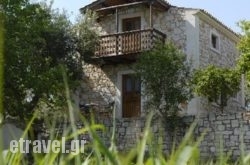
216 36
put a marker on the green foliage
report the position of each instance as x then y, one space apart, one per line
216 84
86 35
38 41
244 60
165 74
244 47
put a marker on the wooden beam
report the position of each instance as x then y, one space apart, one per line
150 15
117 20
164 3
123 5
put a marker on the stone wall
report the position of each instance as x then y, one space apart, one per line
173 24
226 129
102 86
98 85
227 133
227 54
129 131
224 132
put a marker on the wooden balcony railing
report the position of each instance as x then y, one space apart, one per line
128 42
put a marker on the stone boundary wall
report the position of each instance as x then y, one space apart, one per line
128 132
232 129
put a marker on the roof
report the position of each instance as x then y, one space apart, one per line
209 17
219 22
98 4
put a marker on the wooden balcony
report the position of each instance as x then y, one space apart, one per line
127 45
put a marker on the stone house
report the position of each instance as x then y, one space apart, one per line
129 27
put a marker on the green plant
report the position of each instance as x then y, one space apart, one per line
1 67
243 64
216 84
1 81
38 40
87 38
165 74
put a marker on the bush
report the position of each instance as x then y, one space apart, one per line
165 75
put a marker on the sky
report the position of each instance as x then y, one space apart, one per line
228 12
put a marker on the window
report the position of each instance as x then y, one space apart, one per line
129 24
215 41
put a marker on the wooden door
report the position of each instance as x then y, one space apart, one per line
131 42
131 96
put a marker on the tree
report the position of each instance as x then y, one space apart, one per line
86 35
38 42
165 74
244 60
216 84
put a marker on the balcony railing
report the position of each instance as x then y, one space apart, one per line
130 42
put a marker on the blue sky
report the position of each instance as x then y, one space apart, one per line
227 11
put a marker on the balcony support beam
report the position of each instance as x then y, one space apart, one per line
150 15
121 6
117 20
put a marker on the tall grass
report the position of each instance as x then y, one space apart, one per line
1 64
1 80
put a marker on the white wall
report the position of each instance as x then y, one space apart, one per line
193 53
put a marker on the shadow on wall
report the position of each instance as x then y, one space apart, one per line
99 85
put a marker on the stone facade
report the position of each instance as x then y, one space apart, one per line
172 23
225 56
102 86
227 52
190 31
98 85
